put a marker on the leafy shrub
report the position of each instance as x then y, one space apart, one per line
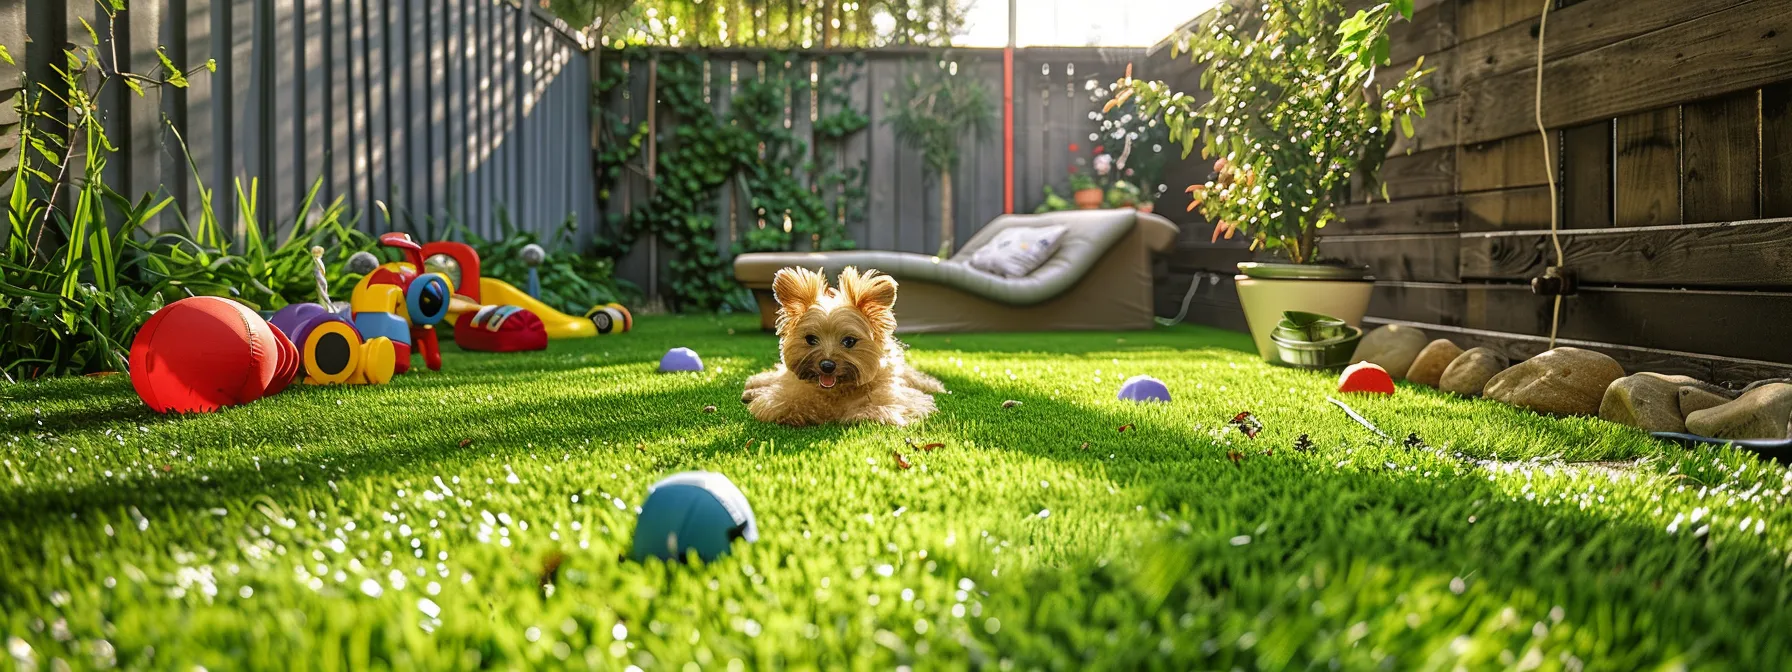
570 282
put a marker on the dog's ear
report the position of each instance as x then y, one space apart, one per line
797 290
873 293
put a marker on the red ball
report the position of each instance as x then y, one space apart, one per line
202 353
1366 377
286 368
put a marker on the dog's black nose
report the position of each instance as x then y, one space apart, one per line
827 366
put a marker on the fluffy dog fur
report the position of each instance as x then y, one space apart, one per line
851 326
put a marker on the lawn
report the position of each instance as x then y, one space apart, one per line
475 518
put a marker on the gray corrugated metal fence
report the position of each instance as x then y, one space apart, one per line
443 109
1052 102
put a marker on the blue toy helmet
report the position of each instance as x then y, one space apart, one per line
697 511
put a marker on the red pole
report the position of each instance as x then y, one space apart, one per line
1008 115
1008 130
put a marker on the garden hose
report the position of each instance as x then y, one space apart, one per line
1549 173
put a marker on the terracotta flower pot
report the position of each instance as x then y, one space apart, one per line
1088 199
1146 207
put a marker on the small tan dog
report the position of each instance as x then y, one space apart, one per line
839 360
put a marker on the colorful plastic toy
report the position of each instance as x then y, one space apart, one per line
401 303
680 359
460 264
533 255
331 350
1365 377
692 512
482 328
203 353
1144 388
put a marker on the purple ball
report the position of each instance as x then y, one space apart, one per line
1144 388
680 359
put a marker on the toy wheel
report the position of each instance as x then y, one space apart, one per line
628 319
332 352
604 320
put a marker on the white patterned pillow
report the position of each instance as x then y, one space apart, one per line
1017 251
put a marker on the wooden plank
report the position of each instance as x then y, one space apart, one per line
313 88
1504 164
1431 30
1507 209
1415 257
882 76
1475 18
1724 323
395 85
1776 150
912 205
1585 26
1442 80
1743 254
1431 173
1729 371
1436 130
1648 168
1723 158
1587 176
418 100
1215 302
1421 215
1737 49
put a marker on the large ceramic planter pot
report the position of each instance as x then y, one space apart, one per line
1268 290
1087 199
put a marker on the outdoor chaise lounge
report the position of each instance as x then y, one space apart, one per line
1099 277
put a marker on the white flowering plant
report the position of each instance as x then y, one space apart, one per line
1295 107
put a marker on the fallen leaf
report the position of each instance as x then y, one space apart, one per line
749 444
550 568
1125 427
1085 445
1246 423
1303 444
166 467
901 462
640 446
1010 403
466 442
1235 456
928 448
709 409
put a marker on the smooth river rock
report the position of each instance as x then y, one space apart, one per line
1469 373
1392 347
1648 401
1428 368
1761 413
1695 399
1563 381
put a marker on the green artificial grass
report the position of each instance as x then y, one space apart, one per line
475 517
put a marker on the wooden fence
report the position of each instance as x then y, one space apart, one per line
1670 127
1052 102
445 110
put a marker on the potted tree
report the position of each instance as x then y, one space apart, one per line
933 111
1293 108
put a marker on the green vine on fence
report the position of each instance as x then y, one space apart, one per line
798 195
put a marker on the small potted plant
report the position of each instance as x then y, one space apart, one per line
1293 109
1122 195
1085 178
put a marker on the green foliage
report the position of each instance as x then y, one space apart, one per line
1053 202
785 24
798 195
264 275
70 291
570 282
1295 110
934 110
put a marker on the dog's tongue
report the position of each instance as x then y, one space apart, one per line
827 380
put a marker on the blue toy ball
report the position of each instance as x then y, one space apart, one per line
698 511
1144 388
681 359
